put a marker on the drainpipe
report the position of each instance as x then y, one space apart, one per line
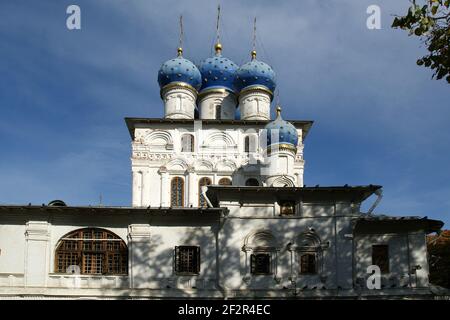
379 194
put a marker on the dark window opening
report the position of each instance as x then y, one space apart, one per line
308 263
260 263
187 260
252 182
250 144
218 112
287 208
380 257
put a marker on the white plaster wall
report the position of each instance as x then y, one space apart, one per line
12 246
419 258
399 257
233 259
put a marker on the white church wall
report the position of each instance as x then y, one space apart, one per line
218 151
344 252
399 257
231 240
12 248
317 210
419 258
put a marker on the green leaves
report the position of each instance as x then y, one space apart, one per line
430 22
434 9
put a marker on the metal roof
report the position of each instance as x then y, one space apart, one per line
317 193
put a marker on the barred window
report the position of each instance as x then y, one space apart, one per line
93 251
260 263
224 182
201 199
287 208
187 143
177 192
187 260
308 263
380 257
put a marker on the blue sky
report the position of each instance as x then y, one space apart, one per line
379 118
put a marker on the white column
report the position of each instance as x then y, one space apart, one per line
37 241
137 189
165 190
145 198
139 248
192 187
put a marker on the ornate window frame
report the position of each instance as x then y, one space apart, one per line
307 242
261 242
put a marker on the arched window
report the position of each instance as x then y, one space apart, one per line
177 192
201 199
218 112
250 144
187 143
309 249
91 251
252 182
224 182
247 144
261 254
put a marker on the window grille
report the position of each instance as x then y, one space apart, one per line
177 192
187 260
94 251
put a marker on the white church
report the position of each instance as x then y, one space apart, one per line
219 210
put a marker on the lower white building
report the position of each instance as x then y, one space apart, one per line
310 242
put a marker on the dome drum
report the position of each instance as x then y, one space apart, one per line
179 80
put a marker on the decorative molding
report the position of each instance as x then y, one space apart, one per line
219 140
37 230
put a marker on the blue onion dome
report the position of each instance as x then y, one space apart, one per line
285 131
217 71
179 71
255 74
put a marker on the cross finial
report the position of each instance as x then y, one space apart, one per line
254 40
218 46
180 48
